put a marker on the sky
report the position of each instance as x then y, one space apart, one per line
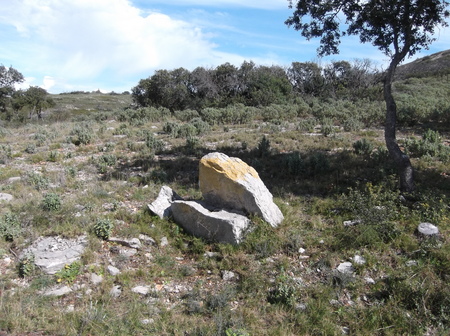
109 45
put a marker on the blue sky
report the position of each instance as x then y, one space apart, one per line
70 45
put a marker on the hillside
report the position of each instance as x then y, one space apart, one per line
432 65
347 259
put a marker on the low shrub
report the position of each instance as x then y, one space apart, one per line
51 202
103 228
10 226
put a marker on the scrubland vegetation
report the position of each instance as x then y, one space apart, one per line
92 163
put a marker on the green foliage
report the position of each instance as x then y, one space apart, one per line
26 266
430 145
154 144
263 148
5 154
37 180
51 202
69 273
30 149
284 291
82 134
10 226
103 228
363 147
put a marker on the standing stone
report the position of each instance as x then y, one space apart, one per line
220 226
231 183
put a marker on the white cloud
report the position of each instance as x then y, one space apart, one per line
261 4
80 40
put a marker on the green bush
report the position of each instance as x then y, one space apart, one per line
69 273
26 266
5 154
51 202
82 134
429 145
30 149
10 226
263 148
154 144
38 180
363 147
103 228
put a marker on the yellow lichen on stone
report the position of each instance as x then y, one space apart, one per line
234 169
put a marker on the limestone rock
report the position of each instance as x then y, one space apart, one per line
6 197
161 206
221 226
346 268
51 254
428 229
132 243
232 184
60 291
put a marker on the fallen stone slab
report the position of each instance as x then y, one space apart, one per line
161 206
219 226
51 254
230 183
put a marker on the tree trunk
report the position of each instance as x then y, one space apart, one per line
404 167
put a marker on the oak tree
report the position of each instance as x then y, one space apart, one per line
399 28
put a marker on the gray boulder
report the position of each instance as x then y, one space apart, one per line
162 205
232 184
220 226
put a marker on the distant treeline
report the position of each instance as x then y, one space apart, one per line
256 85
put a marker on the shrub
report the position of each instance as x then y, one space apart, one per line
9 226
69 272
263 148
363 147
307 125
172 128
154 144
26 266
82 134
283 292
5 154
429 145
327 127
30 149
51 202
38 181
102 228
294 164
202 127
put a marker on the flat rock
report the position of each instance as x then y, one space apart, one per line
229 183
219 226
162 205
133 242
6 197
142 290
60 291
51 254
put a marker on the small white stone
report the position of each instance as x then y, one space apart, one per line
301 250
228 275
369 280
143 290
115 291
411 263
428 229
357 259
346 267
96 279
164 242
113 270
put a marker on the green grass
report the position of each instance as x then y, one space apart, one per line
285 282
